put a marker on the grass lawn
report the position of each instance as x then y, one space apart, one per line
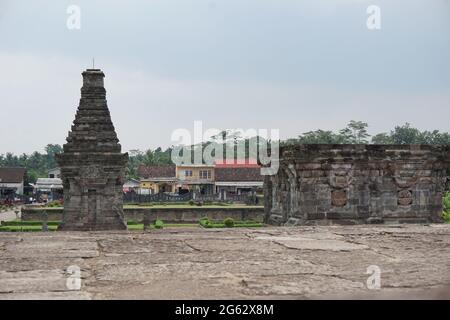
29 228
36 226
140 227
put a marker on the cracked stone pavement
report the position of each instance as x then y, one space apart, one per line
195 263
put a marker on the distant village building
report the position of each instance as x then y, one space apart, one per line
131 185
11 182
238 178
221 178
48 189
156 179
195 178
54 173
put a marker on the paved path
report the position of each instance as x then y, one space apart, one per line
185 263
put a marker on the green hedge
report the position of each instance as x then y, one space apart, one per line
206 223
25 228
28 223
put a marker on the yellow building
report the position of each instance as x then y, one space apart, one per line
156 179
198 178
221 178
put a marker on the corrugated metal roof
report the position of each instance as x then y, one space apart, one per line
48 183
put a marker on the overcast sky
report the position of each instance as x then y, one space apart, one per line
288 64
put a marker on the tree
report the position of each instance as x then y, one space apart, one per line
320 137
355 132
51 150
382 138
406 134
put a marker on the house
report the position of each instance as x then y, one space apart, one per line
48 189
195 178
226 177
156 179
236 178
132 185
11 182
54 173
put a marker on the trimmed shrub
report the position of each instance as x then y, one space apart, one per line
159 224
204 221
228 222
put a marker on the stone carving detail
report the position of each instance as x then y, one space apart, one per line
91 172
92 165
405 197
322 184
339 198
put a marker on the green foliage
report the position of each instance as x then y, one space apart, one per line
382 138
320 136
446 216
356 133
149 157
191 202
37 164
206 223
159 224
446 205
19 223
229 222
406 134
54 204
132 222
22 228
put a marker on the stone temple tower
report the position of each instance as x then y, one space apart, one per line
92 165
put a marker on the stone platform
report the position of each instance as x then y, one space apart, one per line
194 263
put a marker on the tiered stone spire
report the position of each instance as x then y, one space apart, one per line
92 165
92 129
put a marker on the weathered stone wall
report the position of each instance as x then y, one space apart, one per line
169 215
324 184
92 165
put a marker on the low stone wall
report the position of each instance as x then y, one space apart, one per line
168 215
348 184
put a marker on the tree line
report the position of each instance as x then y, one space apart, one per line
356 133
38 164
